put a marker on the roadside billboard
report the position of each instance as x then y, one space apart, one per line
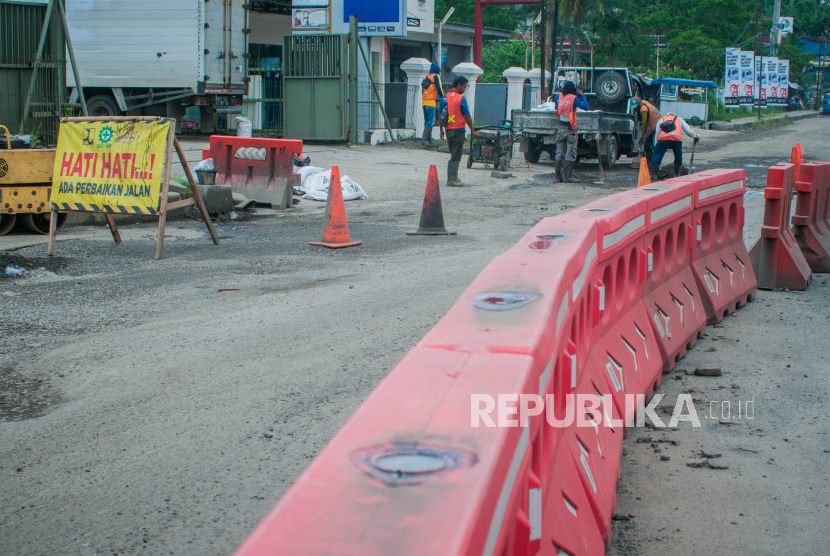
746 65
783 81
732 80
310 19
760 92
377 18
771 68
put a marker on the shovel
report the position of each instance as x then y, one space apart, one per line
692 160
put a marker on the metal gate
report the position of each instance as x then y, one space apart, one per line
314 86
491 103
20 28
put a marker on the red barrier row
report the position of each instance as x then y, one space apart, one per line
598 301
811 221
259 168
776 254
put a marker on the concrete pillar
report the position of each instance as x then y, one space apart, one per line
416 70
535 79
472 72
515 88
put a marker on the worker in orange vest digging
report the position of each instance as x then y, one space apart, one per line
455 117
566 136
649 116
670 137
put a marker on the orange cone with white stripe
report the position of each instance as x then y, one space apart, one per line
645 179
335 227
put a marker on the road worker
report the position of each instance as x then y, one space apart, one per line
566 137
649 116
455 117
669 137
432 92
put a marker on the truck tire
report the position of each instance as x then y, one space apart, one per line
611 152
610 87
102 105
532 153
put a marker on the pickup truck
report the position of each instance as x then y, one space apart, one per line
611 118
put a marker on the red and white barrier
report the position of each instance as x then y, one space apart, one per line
811 221
720 261
776 256
260 168
598 301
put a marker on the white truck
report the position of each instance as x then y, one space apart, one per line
158 57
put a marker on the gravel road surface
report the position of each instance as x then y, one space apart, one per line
142 411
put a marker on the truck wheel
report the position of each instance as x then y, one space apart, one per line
609 157
532 153
610 87
102 105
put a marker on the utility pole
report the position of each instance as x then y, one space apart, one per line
554 62
542 88
759 67
657 41
776 30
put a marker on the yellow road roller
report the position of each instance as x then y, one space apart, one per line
25 187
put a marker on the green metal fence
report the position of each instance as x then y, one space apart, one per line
20 28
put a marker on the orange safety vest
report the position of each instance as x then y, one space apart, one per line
675 135
653 117
431 92
455 120
566 106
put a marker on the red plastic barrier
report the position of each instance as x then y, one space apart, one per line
562 312
670 292
811 221
775 256
261 169
720 261
621 340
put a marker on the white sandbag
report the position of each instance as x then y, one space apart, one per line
305 172
206 164
244 128
317 187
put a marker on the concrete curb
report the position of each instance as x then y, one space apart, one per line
741 126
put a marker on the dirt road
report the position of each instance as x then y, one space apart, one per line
144 412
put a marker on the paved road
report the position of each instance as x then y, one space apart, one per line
144 412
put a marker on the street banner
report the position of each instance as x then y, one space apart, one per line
786 26
783 81
760 93
732 81
771 64
110 165
746 66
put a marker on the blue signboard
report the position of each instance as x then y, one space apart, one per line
377 18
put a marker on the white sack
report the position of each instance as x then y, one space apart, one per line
317 187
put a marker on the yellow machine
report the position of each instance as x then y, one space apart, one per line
25 187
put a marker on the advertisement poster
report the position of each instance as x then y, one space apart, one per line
732 81
310 18
760 95
110 166
771 64
786 26
747 68
783 81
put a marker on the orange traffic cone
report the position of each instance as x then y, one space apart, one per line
432 215
645 178
335 227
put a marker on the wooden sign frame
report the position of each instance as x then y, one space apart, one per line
164 206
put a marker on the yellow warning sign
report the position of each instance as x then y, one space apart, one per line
110 166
